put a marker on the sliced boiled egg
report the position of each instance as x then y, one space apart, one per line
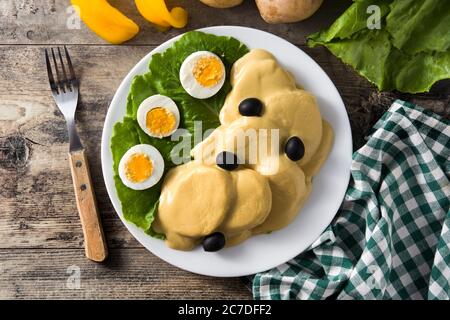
141 167
158 116
202 74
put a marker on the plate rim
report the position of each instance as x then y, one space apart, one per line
105 148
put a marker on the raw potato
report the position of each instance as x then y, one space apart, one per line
285 11
222 3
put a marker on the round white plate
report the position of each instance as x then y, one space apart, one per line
261 252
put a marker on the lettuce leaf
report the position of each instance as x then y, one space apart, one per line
417 26
354 19
140 207
409 53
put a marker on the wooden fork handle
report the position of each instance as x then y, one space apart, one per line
94 238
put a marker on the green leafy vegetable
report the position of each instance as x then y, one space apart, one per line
140 207
417 26
409 53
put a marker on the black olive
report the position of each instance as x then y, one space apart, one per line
214 242
294 148
251 107
227 160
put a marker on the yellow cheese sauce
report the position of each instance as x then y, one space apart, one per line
199 198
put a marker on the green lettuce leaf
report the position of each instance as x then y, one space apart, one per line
420 25
354 19
140 207
409 53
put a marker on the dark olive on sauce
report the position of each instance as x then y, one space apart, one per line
214 242
227 160
251 107
294 148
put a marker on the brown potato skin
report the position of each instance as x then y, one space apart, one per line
222 3
286 11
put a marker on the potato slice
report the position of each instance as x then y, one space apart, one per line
304 121
194 200
289 191
252 202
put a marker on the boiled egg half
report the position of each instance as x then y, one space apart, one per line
141 167
158 116
202 74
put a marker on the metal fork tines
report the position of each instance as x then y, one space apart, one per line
64 86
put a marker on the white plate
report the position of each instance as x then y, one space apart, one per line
261 252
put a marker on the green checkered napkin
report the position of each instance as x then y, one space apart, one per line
391 237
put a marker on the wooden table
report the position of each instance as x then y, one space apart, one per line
41 242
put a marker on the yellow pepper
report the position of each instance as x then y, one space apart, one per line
105 20
156 12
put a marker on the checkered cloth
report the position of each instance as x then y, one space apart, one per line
391 237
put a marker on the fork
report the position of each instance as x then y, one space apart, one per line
65 87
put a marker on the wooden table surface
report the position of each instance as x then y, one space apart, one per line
41 242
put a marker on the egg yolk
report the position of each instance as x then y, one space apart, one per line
208 71
138 168
160 121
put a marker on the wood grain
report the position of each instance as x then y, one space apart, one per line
94 239
40 232
52 21
127 274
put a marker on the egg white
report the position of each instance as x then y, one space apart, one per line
158 166
153 102
190 84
